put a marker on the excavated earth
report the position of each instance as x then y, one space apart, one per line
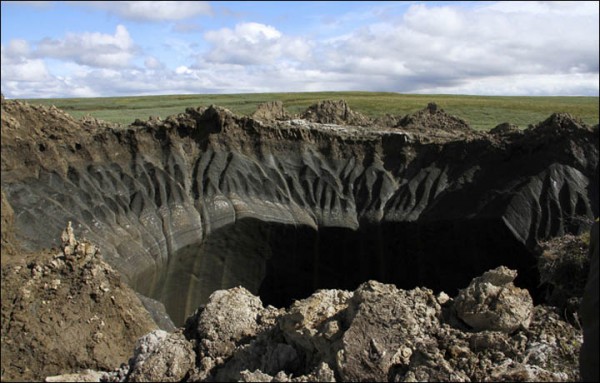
204 201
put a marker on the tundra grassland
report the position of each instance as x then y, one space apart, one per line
481 112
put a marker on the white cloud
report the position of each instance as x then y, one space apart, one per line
183 70
544 7
154 10
254 43
442 48
27 77
94 49
25 71
153 63
533 85
17 67
498 48
18 47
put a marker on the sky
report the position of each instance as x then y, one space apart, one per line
100 49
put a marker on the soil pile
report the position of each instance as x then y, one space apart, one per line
66 310
334 112
505 128
271 111
434 118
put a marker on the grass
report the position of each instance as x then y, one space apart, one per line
481 112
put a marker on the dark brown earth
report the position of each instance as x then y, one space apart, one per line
65 309
65 313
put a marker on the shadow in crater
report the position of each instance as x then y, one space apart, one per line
282 263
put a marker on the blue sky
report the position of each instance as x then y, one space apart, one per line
96 49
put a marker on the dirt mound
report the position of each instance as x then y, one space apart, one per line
433 118
334 112
272 110
66 310
38 136
505 128
558 121
22 119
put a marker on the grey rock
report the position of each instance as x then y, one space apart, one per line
160 356
83 376
492 302
381 333
385 325
255 376
322 373
313 324
228 321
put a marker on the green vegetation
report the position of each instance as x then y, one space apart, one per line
481 112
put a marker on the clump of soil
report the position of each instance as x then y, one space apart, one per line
558 121
270 111
66 310
433 118
505 128
334 112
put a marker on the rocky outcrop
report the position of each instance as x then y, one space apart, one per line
206 200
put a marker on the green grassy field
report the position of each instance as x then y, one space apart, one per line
481 112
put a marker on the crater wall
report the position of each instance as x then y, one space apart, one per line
152 194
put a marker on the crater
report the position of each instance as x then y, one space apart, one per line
208 200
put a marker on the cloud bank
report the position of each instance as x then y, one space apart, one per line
505 48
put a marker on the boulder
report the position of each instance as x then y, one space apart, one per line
493 302
161 356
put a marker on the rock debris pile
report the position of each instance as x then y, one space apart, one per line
375 333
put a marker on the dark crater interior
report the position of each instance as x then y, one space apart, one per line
282 263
